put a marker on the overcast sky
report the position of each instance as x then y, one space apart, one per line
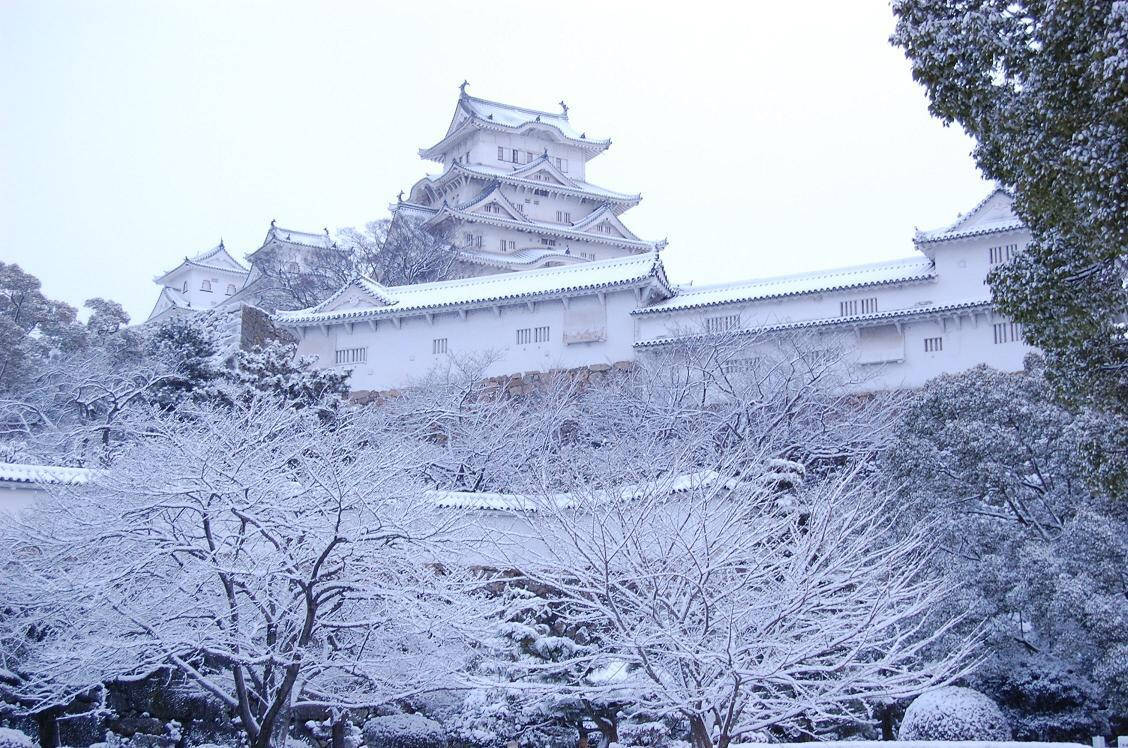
765 137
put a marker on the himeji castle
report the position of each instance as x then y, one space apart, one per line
549 277
513 193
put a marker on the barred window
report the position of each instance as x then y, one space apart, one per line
439 346
540 334
524 335
500 153
1007 332
933 345
352 355
854 306
723 323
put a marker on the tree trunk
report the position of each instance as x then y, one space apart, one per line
583 741
699 733
608 731
48 727
339 730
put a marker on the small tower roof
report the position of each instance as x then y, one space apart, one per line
217 258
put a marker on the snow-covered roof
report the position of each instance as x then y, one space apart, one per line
369 299
217 258
856 320
908 270
472 113
43 475
168 298
522 177
992 214
521 258
540 228
300 239
512 502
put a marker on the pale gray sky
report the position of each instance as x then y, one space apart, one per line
765 137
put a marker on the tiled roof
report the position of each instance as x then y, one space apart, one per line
964 226
516 176
912 269
922 312
216 258
519 258
13 472
528 284
536 227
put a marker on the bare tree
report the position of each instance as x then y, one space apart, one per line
401 251
281 565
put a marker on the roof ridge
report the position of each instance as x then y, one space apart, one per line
828 273
524 109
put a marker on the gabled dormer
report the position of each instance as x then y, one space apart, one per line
359 293
603 222
993 214
491 201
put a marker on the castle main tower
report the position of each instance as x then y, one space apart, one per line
513 193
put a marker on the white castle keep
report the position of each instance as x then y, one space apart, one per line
551 277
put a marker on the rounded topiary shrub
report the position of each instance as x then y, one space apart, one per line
10 738
953 713
403 731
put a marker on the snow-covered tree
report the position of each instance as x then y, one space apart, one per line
1035 537
400 251
744 612
1041 87
276 370
284 567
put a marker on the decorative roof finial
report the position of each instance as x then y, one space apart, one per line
565 108
399 197
326 230
221 242
462 87
545 155
271 223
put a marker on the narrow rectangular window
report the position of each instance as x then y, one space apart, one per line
351 355
500 153
564 166
848 308
529 157
722 324
869 306
512 245
502 244
516 156
567 217
439 346
933 345
1006 332
524 335
559 216
558 162
541 335
995 255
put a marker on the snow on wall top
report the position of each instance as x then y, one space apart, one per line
12 472
912 269
519 258
365 298
511 502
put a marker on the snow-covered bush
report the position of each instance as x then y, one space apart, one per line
10 738
954 713
403 731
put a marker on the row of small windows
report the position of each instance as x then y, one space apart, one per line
441 346
933 345
1002 253
563 216
526 335
857 306
207 287
352 355
517 156
1007 332
723 323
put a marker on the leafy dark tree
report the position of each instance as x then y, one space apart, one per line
275 370
188 348
1042 88
31 325
1001 472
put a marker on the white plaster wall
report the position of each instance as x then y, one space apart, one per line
16 497
396 356
963 264
196 296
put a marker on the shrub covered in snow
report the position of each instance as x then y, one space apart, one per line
954 713
403 731
10 738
